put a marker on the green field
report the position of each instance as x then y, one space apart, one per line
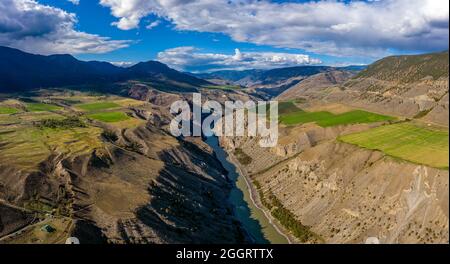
8 110
97 106
109 117
327 119
406 141
41 107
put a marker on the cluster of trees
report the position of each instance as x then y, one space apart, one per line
70 122
286 217
262 197
243 158
288 220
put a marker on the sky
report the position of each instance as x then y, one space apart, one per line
209 35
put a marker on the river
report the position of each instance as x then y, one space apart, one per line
252 218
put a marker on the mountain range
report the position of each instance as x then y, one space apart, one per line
254 77
21 71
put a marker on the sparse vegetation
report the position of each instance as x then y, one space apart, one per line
287 108
110 135
407 69
222 87
242 157
135 146
302 117
423 113
66 123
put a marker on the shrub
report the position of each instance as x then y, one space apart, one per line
242 157
70 122
286 217
134 146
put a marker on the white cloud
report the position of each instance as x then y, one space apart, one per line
123 64
75 2
37 28
153 24
191 58
130 12
327 27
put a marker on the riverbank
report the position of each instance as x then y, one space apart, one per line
255 199
246 211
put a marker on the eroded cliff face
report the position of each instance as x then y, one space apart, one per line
162 193
348 194
315 84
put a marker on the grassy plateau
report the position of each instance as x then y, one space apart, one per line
28 137
109 117
327 119
42 107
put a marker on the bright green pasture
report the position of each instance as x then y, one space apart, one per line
109 117
41 107
8 110
327 119
406 141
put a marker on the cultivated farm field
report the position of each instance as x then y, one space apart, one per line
41 107
34 127
407 141
327 119
109 117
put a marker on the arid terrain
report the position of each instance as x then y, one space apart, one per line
361 158
348 176
115 175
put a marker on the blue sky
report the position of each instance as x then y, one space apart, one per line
202 36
